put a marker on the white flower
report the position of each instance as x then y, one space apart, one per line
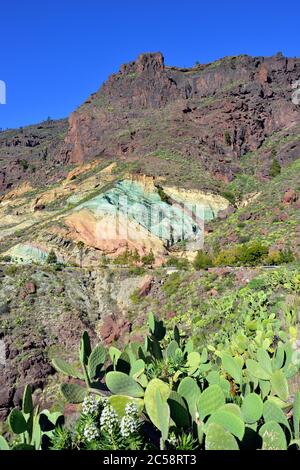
128 426
90 432
172 439
129 422
131 409
90 405
108 419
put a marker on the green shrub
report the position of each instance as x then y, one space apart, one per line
5 259
135 297
275 168
252 253
202 260
136 270
51 258
127 258
163 196
280 257
11 270
24 164
246 254
230 196
148 259
179 263
228 257
172 284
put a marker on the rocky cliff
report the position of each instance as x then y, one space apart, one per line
210 114
193 126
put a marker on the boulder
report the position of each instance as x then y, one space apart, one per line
290 196
226 212
4 308
112 328
245 216
30 288
146 285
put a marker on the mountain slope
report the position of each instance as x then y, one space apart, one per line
192 125
201 133
222 136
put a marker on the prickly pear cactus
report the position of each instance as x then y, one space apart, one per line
163 414
179 411
62 366
96 361
257 370
17 422
137 368
279 385
73 393
232 367
190 391
210 400
157 328
84 348
264 360
119 402
122 384
252 408
296 415
217 438
171 349
150 399
27 403
272 412
230 421
3 444
193 362
273 436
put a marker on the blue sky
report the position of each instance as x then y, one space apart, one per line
55 53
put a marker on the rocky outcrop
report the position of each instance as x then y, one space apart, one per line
290 196
27 154
206 117
113 328
146 285
214 113
112 234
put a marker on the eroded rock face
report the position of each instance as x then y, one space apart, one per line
112 234
112 328
50 319
27 154
208 116
215 113
132 215
146 285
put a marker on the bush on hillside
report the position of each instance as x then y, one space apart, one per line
246 254
148 259
275 168
127 258
180 263
202 261
280 257
51 258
